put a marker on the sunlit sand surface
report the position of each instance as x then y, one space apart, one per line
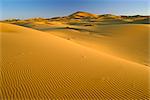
39 66
127 41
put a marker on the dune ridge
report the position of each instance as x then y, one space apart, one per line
37 65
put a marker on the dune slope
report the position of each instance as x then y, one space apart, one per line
126 41
40 66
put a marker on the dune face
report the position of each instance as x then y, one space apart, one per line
127 41
39 66
81 14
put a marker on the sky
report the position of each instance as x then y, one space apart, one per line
24 9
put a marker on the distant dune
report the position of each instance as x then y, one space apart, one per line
84 17
81 14
39 66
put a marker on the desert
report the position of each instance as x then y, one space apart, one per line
81 56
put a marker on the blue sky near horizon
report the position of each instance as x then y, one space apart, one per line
51 8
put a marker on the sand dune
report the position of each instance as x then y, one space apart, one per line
126 37
40 66
127 41
81 14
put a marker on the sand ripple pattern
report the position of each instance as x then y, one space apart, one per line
38 66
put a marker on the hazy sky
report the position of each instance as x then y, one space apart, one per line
50 8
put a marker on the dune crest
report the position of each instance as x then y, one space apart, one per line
81 14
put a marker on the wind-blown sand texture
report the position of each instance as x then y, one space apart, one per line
39 66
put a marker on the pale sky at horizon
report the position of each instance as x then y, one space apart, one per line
23 9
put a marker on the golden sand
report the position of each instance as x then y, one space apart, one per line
39 66
127 41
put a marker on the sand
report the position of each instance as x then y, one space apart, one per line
39 66
127 41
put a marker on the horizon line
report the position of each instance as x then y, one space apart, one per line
75 12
